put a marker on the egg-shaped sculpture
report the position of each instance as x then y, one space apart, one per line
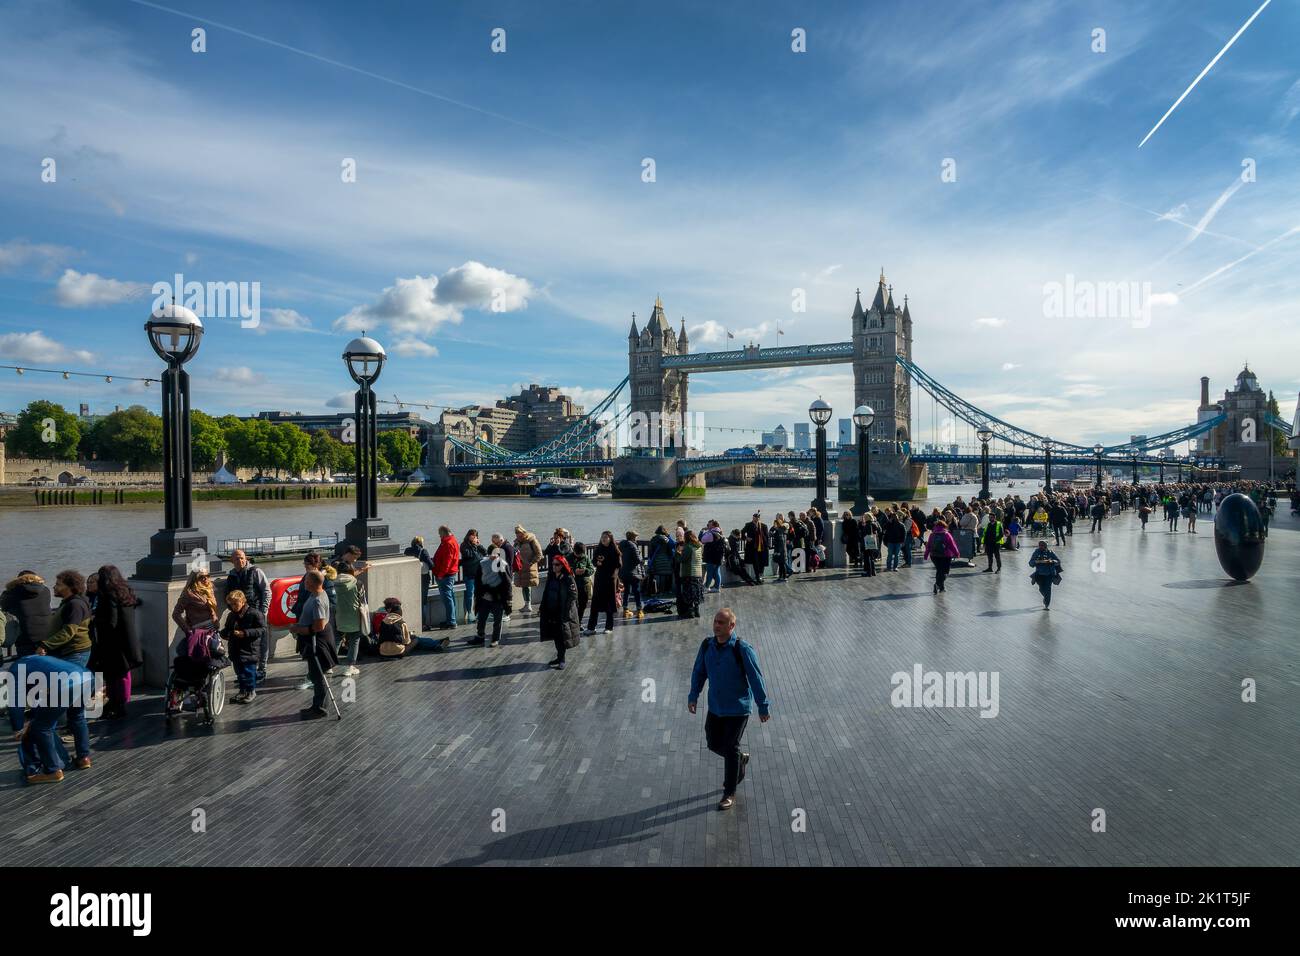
1239 536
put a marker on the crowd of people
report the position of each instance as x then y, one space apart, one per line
88 632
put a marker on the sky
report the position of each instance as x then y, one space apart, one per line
500 228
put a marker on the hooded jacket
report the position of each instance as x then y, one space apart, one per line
27 598
70 628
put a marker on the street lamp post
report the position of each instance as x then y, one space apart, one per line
820 413
175 333
1134 456
1047 463
1164 456
1097 449
985 435
863 416
364 358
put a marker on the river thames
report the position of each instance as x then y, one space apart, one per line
85 537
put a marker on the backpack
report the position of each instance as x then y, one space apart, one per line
394 636
740 659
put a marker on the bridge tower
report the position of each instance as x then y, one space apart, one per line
880 333
658 431
659 394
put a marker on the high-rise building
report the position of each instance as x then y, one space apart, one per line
846 436
802 437
879 334
780 437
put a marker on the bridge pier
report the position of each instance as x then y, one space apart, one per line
646 476
892 477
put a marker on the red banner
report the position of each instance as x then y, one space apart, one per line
284 593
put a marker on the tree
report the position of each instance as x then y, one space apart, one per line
290 448
399 449
329 454
207 439
1280 446
44 430
249 443
133 435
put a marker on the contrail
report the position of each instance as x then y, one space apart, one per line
1206 70
354 69
1236 262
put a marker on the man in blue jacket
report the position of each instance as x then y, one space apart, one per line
735 683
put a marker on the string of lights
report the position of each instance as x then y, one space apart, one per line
67 374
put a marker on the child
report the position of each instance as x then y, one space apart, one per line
1013 531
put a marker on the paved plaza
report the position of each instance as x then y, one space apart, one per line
1125 697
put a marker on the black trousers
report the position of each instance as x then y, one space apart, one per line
994 552
1058 532
560 648
1045 588
1096 525
723 737
317 675
602 602
942 565
869 563
492 609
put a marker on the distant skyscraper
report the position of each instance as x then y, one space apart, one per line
780 437
802 437
846 432
769 439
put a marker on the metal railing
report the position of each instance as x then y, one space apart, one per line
274 545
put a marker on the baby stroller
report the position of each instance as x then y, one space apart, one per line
196 680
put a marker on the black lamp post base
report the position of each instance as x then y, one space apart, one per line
985 494
371 536
863 505
173 553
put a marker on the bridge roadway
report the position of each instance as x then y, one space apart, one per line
1125 697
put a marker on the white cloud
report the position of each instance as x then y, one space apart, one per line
828 272
78 290
17 253
1177 214
418 306
239 375
1163 298
1008 366
276 319
707 333
408 348
990 323
37 347
1084 390
342 400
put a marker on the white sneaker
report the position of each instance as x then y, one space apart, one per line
351 671
306 685
609 630
505 619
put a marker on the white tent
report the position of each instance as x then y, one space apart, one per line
223 477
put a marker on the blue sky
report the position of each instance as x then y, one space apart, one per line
775 170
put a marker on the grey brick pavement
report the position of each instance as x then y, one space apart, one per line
1125 696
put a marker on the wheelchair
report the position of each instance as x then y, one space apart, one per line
196 685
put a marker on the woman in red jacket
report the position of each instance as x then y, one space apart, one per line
941 549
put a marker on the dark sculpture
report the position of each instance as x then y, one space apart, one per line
1239 536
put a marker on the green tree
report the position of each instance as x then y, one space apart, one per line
1280 446
44 430
249 443
399 449
207 439
290 448
329 454
133 435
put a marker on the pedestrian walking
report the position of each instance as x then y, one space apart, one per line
492 596
730 667
758 546
1047 571
584 575
941 549
115 646
558 610
993 544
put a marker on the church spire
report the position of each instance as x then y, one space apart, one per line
681 336
857 305
878 303
633 334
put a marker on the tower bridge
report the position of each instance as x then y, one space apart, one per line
885 377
